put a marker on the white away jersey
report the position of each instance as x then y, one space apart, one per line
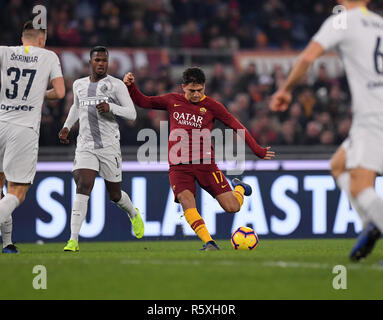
99 130
357 35
25 75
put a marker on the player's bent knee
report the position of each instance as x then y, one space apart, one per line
337 166
20 196
115 196
84 188
19 190
355 189
232 210
231 207
360 180
334 168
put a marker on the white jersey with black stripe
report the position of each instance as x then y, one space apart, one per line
99 130
25 74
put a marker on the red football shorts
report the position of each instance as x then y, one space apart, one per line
209 177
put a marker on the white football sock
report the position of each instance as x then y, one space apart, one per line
6 228
126 204
343 183
7 205
79 210
6 232
372 204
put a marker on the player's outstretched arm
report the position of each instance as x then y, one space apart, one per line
143 101
228 119
58 90
280 101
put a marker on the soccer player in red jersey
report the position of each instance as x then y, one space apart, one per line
192 117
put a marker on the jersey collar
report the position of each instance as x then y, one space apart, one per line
203 98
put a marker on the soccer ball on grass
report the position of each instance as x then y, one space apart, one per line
244 238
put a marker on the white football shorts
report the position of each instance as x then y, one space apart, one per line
106 161
363 148
19 148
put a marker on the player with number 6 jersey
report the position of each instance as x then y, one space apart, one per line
360 44
356 33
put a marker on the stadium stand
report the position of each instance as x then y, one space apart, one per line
319 115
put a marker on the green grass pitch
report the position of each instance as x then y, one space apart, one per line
175 270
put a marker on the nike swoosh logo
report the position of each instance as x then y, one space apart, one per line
176 105
224 186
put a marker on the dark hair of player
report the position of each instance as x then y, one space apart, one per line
193 75
29 31
98 49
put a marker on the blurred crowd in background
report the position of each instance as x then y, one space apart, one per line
319 114
173 23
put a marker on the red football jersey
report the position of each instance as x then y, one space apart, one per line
191 125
